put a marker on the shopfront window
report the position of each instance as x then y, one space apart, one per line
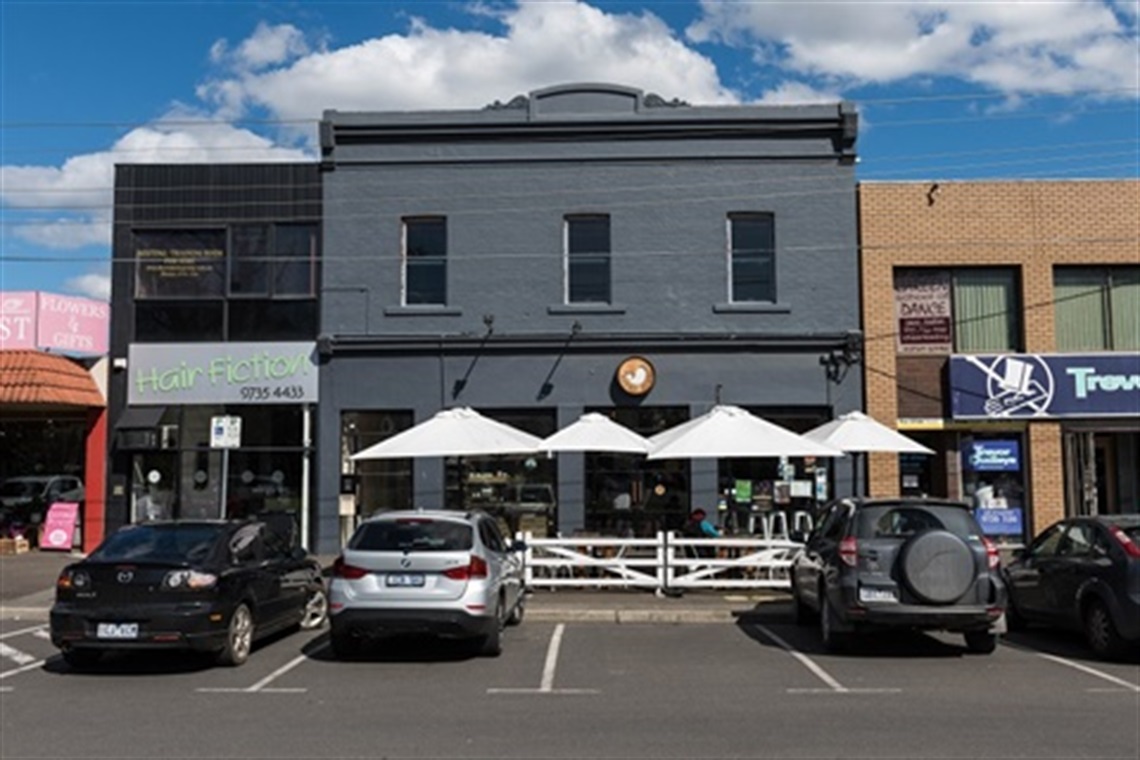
519 490
993 479
626 495
375 484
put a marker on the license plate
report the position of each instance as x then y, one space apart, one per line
406 579
870 594
117 630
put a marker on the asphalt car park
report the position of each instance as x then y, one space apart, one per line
763 687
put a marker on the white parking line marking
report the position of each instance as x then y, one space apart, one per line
548 668
25 668
552 658
11 634
259 687
42 633
834 686
1091 671
15 655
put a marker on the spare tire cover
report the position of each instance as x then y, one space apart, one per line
937 566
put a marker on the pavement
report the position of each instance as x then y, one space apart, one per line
27 588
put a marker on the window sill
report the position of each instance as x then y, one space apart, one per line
422 310
752 308
586 308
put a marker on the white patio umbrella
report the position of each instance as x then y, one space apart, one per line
726 432
459 432
595 432
857 433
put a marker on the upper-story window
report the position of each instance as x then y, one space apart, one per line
752 258
274 260
965 310
425 261
180 263
588 259
1097 309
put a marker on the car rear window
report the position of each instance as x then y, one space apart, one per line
419 535
159 543
902 520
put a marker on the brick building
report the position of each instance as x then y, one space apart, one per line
1002 326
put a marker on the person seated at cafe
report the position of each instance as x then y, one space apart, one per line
699 526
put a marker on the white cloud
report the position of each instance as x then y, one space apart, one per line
91 285
797 93
69 206
1062 47
541 44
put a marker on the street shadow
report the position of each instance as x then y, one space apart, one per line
409 647
779 619
1061 642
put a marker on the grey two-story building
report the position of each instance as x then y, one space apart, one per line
583 248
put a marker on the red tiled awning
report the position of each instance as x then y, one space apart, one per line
32 378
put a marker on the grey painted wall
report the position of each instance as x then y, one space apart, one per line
505 179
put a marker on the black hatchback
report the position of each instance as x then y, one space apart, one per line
207 586
1082 573
899 563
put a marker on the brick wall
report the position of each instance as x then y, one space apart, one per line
1032 225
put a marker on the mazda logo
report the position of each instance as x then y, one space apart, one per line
126 576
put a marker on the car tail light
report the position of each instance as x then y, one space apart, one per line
476 568
342 569
73 579
190 580
848 551
993 559
1126 543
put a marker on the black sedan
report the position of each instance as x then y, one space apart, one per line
207 586
1082 573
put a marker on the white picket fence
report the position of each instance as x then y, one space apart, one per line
666 562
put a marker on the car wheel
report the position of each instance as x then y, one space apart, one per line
833 641
491 645
239 638
345 646
804 613
516 616
1013 619
1101 633
316 612
981 642
81 659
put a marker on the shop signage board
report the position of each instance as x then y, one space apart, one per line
59 526
222 373
1044 386
1008 521
994 456
37 320
923 311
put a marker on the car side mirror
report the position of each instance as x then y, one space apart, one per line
798 536
517 546
1019 554
298 553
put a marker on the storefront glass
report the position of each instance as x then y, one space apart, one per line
375 484
993 480
626 495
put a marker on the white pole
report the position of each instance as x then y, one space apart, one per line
306 442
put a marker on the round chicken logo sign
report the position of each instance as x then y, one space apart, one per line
635 375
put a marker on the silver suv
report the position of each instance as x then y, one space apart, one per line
902 563
438 572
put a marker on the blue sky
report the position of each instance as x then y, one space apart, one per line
946 90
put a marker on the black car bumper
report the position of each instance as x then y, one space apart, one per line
955 618
194 626
375 623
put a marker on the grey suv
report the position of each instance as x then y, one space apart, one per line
909 563
445 573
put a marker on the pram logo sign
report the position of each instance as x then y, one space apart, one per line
1016 385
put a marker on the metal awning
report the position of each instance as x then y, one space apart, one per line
140 418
